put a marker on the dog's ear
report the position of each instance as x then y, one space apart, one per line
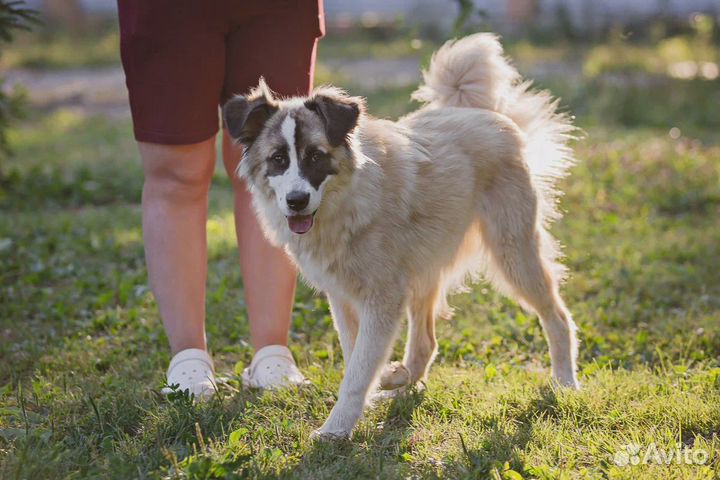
338 112
245 116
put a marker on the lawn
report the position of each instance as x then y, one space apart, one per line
83 353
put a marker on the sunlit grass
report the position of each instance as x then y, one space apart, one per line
660 59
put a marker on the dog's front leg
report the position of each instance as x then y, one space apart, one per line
346 324
378 326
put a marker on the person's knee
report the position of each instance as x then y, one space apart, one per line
178 173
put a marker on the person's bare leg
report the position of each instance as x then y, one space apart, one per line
174 208
268 275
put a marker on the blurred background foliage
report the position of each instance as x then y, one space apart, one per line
14 16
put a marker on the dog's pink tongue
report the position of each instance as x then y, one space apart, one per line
300 223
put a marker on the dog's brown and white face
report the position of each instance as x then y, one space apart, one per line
294 148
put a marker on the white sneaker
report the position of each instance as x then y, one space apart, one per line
193 370
272 367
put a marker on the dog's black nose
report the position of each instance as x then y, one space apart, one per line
297 200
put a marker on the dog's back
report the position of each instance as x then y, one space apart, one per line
473 73
479 110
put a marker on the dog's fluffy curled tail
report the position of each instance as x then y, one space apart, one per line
472 72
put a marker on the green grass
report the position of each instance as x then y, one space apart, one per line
83 353
83 350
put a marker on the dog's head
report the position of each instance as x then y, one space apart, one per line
295 149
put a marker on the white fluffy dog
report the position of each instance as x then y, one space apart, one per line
389 217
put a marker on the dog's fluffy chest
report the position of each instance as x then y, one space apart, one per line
324 265
320 257
320 274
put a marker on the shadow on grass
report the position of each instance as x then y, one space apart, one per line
500 447
135 430
385 452
370 452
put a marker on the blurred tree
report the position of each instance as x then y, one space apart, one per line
466 8
522 12
465 12
14 15
68 14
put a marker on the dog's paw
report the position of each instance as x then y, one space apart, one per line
383 395
321 435
394 376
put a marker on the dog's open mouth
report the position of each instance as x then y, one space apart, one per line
300 223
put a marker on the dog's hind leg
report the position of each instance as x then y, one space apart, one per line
420 347
522 268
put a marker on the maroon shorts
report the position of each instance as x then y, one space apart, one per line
182 58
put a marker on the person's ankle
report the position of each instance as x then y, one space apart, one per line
258 345
178 347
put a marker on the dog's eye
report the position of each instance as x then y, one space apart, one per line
279 158
317 155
